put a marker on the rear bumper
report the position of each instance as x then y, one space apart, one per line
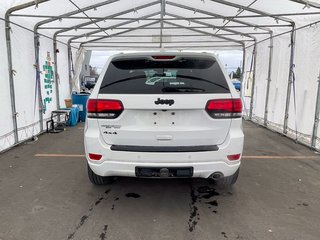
127 169
124 163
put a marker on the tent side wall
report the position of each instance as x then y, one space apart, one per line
306 75
279 80
307 69
261 79
25 86
6 125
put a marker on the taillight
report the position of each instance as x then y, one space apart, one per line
224 108
103 108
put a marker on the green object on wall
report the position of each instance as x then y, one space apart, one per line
48 81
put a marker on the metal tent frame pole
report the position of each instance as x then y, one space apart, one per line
56 73
162 13
193 18
164 35
243 68
148 42
266 108
316 117
221 27
253 80
70 66
290 79
11 80
204 47
38 82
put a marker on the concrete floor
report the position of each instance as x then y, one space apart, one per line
277 196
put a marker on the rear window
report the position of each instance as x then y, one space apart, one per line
145 76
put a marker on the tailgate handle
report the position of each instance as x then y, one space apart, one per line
164 137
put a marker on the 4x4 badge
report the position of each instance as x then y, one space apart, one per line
164 101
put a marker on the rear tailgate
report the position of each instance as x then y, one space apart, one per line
143 123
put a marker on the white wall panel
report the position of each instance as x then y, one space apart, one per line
62 56
307 69
279 79
261 79
48 88
23 61
6 126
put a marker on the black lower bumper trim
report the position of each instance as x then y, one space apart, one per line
170 172
128 148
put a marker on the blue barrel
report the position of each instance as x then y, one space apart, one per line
81 100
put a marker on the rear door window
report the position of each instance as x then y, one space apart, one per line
146 76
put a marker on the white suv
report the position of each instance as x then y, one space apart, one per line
161 114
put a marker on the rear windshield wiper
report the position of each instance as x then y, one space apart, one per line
182 89
123 80
203 80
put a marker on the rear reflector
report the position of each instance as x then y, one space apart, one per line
234 157
103 108
95 157
224 108
163 57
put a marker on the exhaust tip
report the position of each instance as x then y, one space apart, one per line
216 175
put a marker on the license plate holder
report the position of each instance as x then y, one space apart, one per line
164 172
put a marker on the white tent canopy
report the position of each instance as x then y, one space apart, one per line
280 40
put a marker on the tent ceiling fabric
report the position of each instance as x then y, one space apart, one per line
163 23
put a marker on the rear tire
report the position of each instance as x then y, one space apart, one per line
226 182
98 180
